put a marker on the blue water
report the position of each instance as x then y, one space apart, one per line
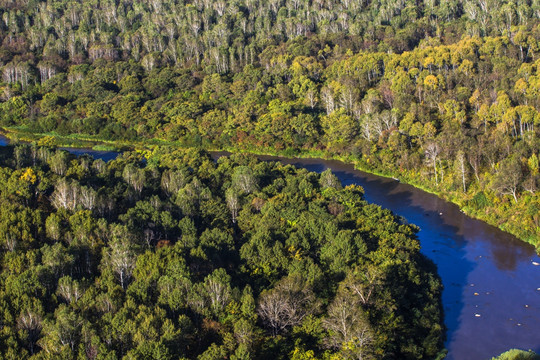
491 280
491 294
96 154
3 141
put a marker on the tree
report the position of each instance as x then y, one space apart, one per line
218 290
508 177
173 291
121 254
287 304
348 327
190 197
364 283
339 129
63 331
135 177
59 162
88 197
233 203
53 227
516 354
31 323
244 180
329 180
57 259
461 166
432 155
65 195
69 289
311 98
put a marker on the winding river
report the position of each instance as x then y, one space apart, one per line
491 280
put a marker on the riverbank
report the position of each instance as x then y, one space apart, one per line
488 275
503 214
510 223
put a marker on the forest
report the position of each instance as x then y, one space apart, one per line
443 95
170 254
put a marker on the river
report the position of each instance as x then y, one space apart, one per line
491 280
491 294
97 154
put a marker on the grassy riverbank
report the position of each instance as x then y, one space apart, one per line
476 202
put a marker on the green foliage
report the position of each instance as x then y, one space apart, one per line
515 354
479 201
444 97
177 256
164 271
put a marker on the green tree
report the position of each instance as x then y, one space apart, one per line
508 178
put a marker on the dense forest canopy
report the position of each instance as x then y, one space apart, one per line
43 38
227 35
443 94
173 255
166 253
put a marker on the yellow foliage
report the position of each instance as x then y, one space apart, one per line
295 253
431 82
429 130
521 86
466 67
29 176
46 141
233 308
299 354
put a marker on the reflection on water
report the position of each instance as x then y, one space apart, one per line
96 154
490 295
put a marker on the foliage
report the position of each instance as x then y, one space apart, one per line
95 266
441 96
515 354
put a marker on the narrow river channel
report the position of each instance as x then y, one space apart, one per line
491 280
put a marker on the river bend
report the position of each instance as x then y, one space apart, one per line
491 280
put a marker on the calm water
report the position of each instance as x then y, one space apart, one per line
97 154
491 284
491 291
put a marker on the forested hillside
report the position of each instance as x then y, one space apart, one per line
173 255
440 94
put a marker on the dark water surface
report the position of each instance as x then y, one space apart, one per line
97 154
491 294
3 141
